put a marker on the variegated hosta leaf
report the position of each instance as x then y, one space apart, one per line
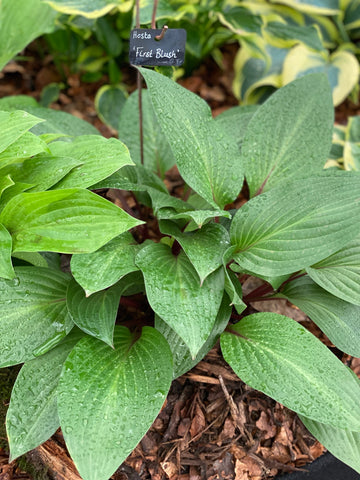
342 69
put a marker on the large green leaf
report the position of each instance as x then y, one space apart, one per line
297 224
101 269
204 247
339 320
32 415
34 316
110 100
181 354
43 171
324 7
207 158
235 121
6 268
274 354
13 125
290 135
344 444
26 146
157 152
175 294
67 221
97 157
95 315
108 398
21 22
340 273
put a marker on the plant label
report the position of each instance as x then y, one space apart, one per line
146 49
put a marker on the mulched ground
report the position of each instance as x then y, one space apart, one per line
212 426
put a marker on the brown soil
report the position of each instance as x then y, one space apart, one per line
212 425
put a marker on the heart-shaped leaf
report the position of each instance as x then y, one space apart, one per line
175 294
108 398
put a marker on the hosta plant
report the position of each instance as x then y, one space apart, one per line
295 226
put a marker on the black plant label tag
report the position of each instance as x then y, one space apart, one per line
145 49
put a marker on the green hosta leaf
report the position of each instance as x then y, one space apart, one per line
157 152
132 382
43 171
34 258
13 125
136 178
26 146
344 444
101 269
234 290
6 268
274 354
290 135
95 315
241 20
339 320
204 247
97 157
95 9
323 7
297 224
67 221
200 217
34 316
341 68
164 10
17 102
339 274
181 354
207 158
174 293
12 191
60 122
5 183
109 102
236 120
17 31
32 415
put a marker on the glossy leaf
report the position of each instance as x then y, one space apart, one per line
26 146
297 224
97 157
67 221
197 141
101 269
339 274
344 444
200 217
290 135
276 355
95 315
108 399
32 415
181 354
339 320
43 171
34 316
204 247
13 125
158 156
174 293
6 268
